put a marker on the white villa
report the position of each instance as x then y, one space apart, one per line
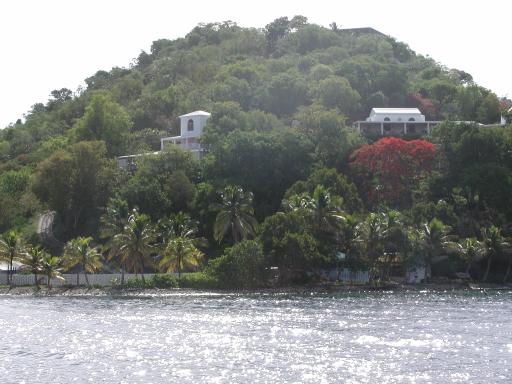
191 129
395 122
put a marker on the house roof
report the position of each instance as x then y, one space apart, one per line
396 111
196 113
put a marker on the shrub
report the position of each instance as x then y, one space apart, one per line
135 283
198 280
242 266
163 281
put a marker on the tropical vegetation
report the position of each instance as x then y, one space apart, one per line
286 186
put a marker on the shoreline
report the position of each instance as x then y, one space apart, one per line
82 291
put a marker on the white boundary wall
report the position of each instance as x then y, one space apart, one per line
70 279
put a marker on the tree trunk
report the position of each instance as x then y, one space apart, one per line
508 270
122 272
489 260
179 267
234 234
49 282
142 271
77 279
469 267
35 280
10 271
87 279
428 271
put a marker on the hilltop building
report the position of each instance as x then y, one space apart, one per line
191 128
395 122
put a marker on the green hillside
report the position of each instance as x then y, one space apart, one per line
282 101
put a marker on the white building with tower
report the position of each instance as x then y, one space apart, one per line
191 129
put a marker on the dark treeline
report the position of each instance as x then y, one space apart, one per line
285 181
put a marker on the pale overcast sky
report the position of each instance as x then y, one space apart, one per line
53 44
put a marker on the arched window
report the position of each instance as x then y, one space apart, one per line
412 119
387 119
190 125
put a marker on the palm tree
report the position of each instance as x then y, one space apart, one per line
178 225
11 248
296 202
469 250
33 258
236 214
78 252
494 244
434 239
369 236
180 253
113 222
50 266
325 210
394 237
136 242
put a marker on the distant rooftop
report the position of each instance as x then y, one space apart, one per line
195 113
395 111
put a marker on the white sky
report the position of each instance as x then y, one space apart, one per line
51 44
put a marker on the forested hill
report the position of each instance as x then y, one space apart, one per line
290 85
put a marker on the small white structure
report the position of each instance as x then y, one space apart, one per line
396 115
191 129
416 275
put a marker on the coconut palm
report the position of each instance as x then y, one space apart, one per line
33 259
394 237
136 242
369 236
178 225
236 215
179 254
11 249
113 222
78 252
434 239
325 210
51 268
468 250
296 202
494 244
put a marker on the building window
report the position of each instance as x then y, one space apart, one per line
387 119
412 119
190 125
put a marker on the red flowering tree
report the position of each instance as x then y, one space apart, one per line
388 170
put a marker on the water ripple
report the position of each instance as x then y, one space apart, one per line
366 337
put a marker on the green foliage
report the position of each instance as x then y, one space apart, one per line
265 163
199 280
235 215
337 184
75 182
104 120
290 245
180 253
163 281
242 266
163 183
